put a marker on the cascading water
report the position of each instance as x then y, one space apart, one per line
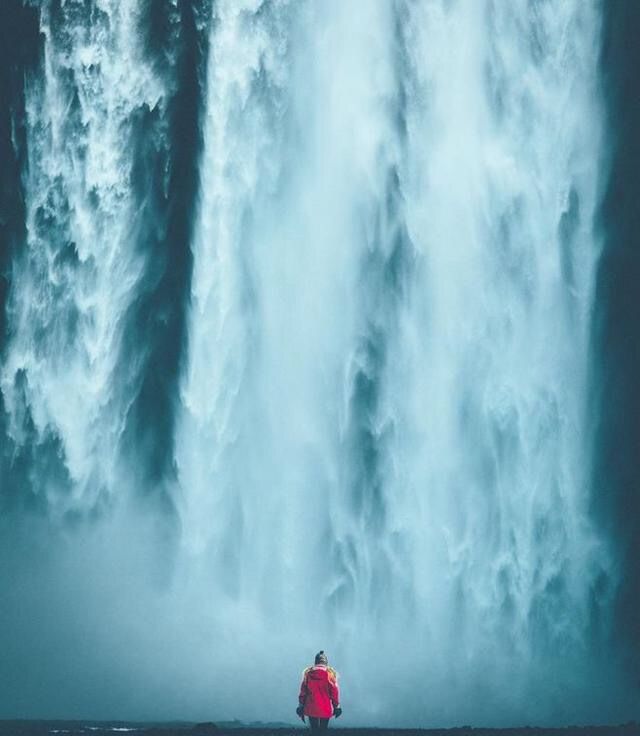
380 437
64 385
388 339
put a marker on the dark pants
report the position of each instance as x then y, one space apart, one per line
318 724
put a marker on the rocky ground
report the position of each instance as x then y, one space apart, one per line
91 728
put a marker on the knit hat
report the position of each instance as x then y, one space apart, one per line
321 658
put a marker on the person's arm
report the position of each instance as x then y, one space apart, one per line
302 696
334 695
303 689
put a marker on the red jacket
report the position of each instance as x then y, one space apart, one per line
319 693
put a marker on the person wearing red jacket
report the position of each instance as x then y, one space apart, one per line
319 697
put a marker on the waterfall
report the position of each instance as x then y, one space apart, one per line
384 410
378 438
65 386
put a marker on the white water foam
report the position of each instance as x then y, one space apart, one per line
79 274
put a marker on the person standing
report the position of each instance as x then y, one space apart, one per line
319 697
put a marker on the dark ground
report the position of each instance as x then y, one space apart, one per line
119 728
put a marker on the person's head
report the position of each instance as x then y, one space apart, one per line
321 658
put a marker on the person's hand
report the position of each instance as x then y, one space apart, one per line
300 712
337 711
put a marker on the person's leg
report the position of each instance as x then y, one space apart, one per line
322 724
313 723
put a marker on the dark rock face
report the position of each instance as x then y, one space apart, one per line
616 337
